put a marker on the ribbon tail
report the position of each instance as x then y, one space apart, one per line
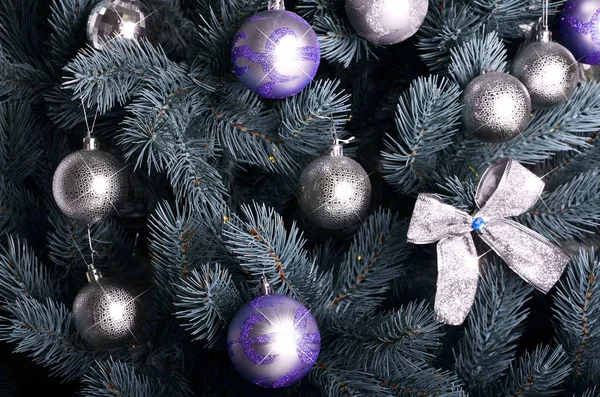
458 273
532 256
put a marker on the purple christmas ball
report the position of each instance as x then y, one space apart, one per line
273 341
579 30
276 54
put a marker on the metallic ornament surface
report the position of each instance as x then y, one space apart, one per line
549 72
579 29
386 21
124 18
106 314
334 192
506 189
273 341
276 54
89 185
497 107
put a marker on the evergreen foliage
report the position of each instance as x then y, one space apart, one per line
214 170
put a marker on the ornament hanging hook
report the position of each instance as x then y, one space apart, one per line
276 5
337 149
92 274
544 34
264 288
89 143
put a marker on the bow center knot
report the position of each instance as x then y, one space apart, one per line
478 224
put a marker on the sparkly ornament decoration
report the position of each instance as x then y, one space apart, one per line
496 108
386 21
579 29
548 70
334 191
89 185
506 189
124 18
273 341
276 53
106 313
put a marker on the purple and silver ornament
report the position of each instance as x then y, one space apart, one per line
273 341
579 30
276 53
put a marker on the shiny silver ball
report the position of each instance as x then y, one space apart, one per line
89 185
334 192
106 314
497 107
386 21
125 18
549 72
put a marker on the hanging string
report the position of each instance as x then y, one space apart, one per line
89 130
545 14
89 233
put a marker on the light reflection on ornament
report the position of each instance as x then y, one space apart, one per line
504 107
286 58
344 191
128 29
286 338
100 185
116 311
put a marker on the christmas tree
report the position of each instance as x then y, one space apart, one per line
214 204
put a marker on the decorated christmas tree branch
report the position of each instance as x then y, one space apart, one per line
44 330
446 25
570 211
21 274
206 302
375 257
340 43
111 377
483 53
103 79
494 327
67 20
426 119
248 131
263 246
383 341
424 381
537 374
577 316
307 119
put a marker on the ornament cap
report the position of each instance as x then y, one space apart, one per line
544 35
90 143
93 274
276 5
336 148
264 287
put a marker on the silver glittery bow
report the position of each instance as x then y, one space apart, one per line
506 189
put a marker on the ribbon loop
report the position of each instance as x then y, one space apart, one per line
506 189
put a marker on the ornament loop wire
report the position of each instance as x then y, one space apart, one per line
264 287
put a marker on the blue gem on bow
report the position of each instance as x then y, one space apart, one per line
506 189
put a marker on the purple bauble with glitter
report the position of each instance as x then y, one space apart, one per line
273 341
579 30
276 54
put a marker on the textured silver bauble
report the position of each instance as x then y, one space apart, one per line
386 21
334 192
125 18
497 107
106 313
549 72
89 185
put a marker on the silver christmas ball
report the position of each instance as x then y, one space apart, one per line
106 314
386 21
334 192
125 18
89 185
549 72
497 107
